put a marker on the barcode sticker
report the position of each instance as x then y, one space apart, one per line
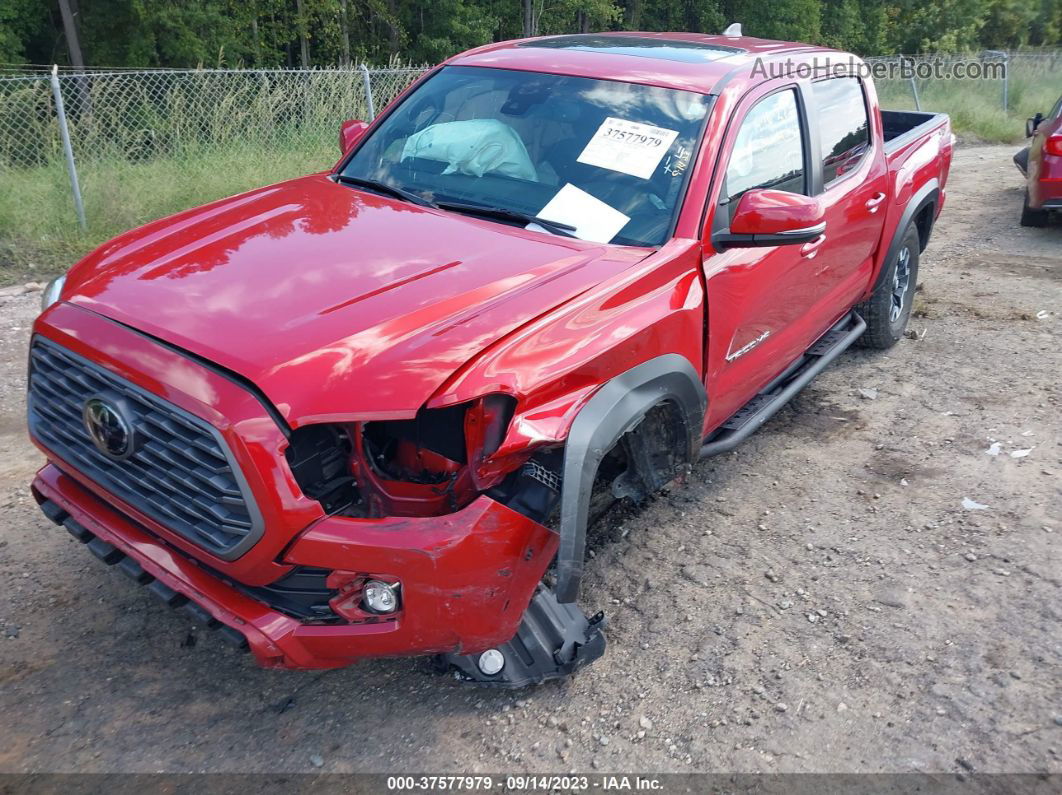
629 147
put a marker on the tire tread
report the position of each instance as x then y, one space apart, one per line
880 334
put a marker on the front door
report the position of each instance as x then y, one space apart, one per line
759 299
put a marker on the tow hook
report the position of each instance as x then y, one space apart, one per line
554 640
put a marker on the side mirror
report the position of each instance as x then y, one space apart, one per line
1032 124
349 133
765 217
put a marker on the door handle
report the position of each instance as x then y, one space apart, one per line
811 248
874 201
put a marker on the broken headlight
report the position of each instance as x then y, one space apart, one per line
433 463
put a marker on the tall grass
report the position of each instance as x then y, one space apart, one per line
143 154
976 106
38 225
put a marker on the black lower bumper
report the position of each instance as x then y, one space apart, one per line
554 640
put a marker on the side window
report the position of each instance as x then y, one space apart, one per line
768 150
844 129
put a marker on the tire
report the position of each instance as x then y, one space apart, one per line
1031 217
888 309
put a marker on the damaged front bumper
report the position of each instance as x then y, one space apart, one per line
466 578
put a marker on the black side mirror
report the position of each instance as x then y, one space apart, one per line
1032 124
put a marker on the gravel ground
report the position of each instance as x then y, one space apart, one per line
818 601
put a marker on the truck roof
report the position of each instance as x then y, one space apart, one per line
689 61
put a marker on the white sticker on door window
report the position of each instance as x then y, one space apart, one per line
592 218
629 147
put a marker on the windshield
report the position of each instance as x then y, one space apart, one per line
606 159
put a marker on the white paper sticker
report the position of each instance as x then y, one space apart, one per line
629 147
592 218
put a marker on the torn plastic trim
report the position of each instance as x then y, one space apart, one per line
553 640
614 410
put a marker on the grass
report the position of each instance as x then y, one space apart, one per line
39 234
976 106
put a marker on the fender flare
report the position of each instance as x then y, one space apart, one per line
928 194
616 408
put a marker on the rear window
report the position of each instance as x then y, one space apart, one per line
844 128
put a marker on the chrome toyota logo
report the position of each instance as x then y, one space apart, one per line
107 427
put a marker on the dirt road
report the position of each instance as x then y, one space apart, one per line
819 600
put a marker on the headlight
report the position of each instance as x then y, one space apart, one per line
51 292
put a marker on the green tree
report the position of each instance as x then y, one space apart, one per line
790 20
189 33
918 26
23 24
1008 22
1046 29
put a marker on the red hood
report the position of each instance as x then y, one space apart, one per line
337 303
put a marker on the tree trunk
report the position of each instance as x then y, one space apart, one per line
304 39
73 41
344 32
529 18
257 40
634 14
393 24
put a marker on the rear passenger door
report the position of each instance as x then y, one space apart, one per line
854 180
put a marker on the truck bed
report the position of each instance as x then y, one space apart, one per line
902 126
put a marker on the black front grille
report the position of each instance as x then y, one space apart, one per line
181 474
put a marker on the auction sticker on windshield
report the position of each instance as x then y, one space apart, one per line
629 147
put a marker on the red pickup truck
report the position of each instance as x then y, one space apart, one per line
370 412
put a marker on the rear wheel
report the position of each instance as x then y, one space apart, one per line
889 307
1031 217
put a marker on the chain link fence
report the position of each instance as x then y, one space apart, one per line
991 80
138 117
143 115
200 134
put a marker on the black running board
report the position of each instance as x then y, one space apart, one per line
554 640
764 405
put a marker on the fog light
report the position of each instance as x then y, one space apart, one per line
491 662
380 597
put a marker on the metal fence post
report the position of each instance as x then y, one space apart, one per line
914 92
1006 79
68 150
1000 55
368 91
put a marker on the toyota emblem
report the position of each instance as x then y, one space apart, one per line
108 428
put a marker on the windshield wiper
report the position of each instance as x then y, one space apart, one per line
383 187
502 214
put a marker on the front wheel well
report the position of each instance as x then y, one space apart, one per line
654 452
634 410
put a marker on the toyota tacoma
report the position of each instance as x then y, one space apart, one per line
371 411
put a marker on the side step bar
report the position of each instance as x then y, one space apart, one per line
553 640
747 419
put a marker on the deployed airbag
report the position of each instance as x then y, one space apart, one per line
475 146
